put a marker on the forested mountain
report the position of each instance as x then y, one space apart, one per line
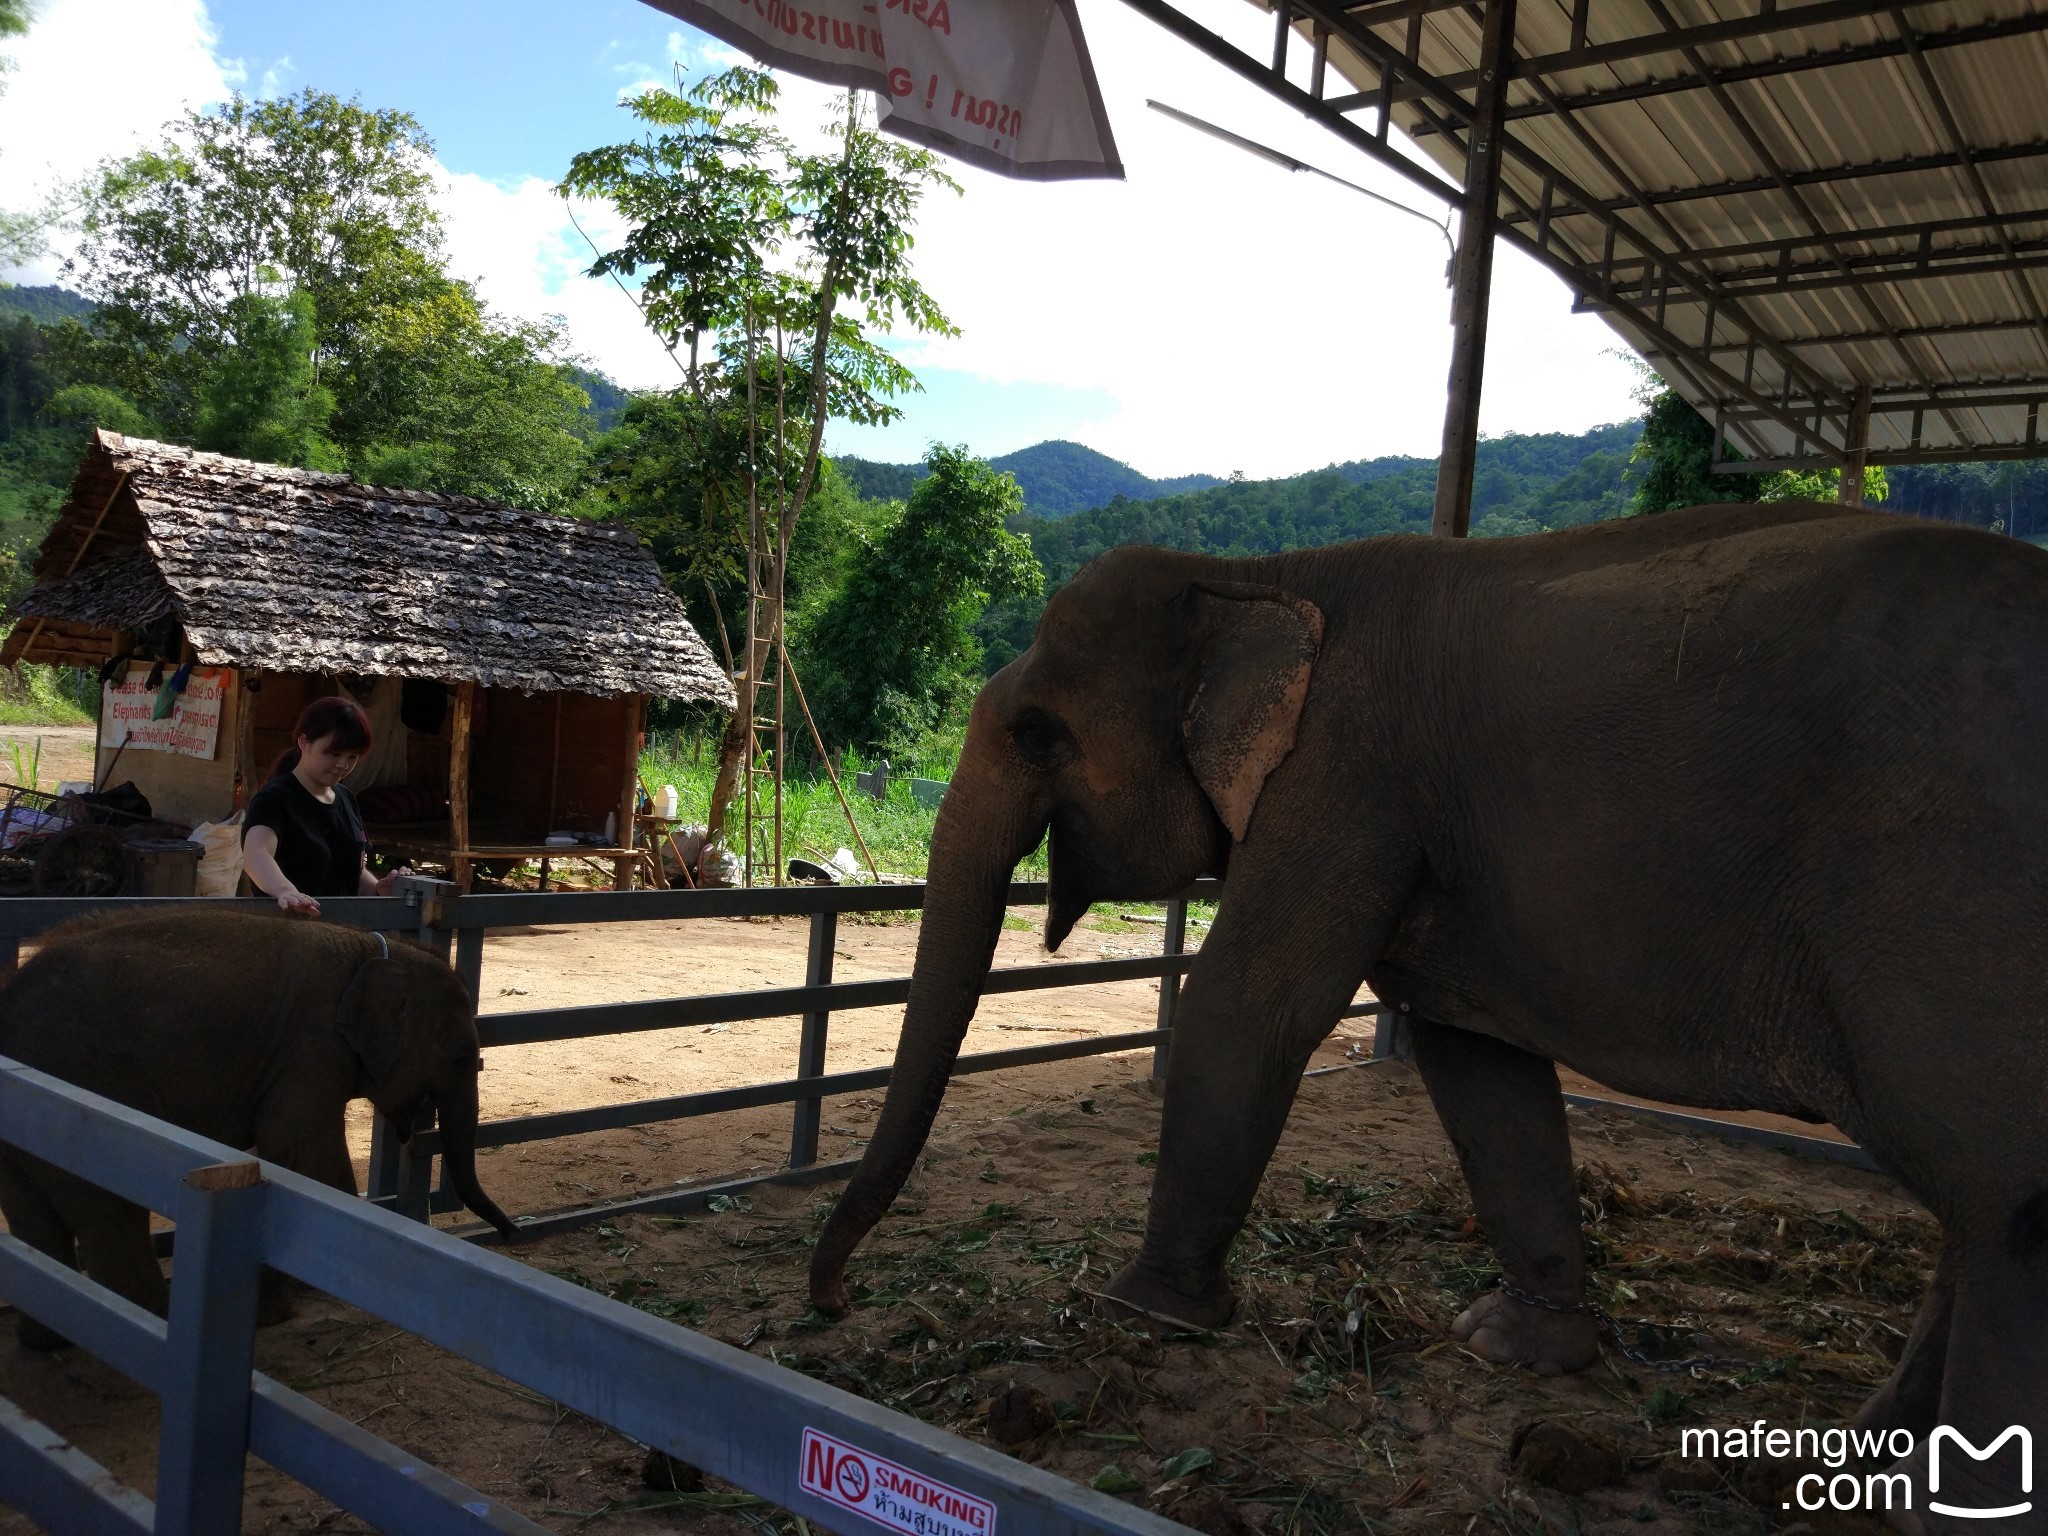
1056 477
2011 497
44 305
1522 484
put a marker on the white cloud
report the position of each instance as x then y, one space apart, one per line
1244 317
150 59
517 243
1241 318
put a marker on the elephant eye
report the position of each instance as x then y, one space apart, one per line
1041 738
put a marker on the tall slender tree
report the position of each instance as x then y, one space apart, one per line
781 266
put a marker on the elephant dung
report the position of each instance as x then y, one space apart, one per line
1678 1474
1208 1510
1555 1453
1019 1414
662 1473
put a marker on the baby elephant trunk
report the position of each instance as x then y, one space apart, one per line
458 1116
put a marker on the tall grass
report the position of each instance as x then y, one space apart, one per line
38 695
898 830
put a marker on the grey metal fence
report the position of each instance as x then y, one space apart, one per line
810 1448
455 926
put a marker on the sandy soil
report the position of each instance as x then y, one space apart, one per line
1031 1196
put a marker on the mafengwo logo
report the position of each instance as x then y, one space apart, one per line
1949 1454
1943 1435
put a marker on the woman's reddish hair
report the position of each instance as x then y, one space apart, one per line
335 716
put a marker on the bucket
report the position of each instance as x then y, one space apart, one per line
163 867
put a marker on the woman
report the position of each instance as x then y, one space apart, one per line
303 836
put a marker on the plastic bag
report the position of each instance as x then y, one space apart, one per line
220 862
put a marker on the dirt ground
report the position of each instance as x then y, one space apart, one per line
59 753
1335 1402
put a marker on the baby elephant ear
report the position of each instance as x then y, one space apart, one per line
1257 647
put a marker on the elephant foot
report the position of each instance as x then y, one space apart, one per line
1515 1333
1142 1293
276 1298
40 1337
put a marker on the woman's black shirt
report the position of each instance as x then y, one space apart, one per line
319 847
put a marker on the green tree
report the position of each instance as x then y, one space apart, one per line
308 194
892 651
1675 453
190 247
778 263
264 399
452 399
21 232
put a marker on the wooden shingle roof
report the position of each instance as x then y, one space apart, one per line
291 570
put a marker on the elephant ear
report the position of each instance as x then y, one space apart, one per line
1258 646
372 1018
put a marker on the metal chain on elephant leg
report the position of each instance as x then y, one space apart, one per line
1606 1320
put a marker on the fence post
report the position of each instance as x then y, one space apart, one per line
1169 986
396 1172
469 961
211 1349
810 1051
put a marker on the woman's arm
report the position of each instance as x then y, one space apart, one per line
368 884
259 858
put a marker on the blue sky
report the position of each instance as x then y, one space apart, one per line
509 90
1211 313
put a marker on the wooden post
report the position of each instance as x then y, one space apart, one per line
629 796
1472 275
245 736
458 785
1857 442
554 776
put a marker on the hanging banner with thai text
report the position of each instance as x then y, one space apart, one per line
1003 84
191 729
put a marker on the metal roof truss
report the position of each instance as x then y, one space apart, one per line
1821 222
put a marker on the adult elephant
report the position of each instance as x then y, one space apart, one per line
1738 807
255 1030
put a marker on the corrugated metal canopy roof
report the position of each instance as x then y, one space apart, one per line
1779 205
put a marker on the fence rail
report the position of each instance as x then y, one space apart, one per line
707 1403
455 925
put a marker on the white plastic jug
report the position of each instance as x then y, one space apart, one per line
667 802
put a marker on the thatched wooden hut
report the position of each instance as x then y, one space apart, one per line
505 657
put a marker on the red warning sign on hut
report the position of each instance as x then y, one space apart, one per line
887 1493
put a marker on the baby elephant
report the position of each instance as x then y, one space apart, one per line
253 1030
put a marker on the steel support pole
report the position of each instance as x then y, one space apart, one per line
1472 274
810 1051
1391 1036
1169 986
210 1350
1857 443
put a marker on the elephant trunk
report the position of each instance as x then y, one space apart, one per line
984 827
457 1108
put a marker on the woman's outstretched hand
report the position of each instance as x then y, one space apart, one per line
290 900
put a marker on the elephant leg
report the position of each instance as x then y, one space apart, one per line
34 1220
1504 1114
114 1248
1994 1379
1911 1398
309 1139
1268 985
